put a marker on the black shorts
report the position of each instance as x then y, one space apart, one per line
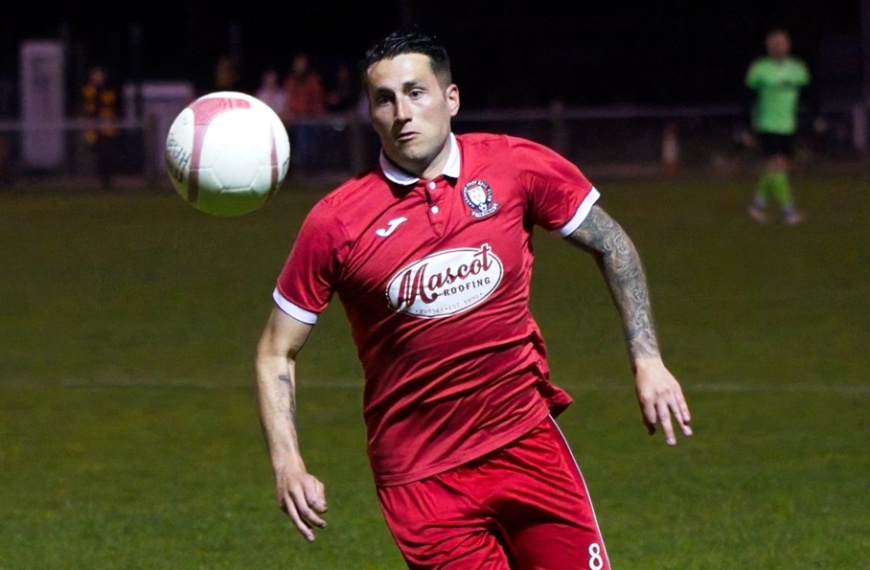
773 144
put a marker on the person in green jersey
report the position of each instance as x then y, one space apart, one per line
776 81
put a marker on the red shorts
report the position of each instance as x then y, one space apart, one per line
524 506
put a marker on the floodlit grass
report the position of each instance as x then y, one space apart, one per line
129 436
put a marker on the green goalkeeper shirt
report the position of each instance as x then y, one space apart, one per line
777 84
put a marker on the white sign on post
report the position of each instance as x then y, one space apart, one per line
41 92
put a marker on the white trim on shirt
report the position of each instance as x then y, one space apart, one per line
292 310
581 213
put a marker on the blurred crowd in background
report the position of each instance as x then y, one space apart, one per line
598 100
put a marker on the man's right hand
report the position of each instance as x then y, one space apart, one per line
302 497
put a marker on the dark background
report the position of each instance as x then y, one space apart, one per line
505 53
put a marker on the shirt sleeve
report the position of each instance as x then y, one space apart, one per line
803 74
308 279
753 79
559 195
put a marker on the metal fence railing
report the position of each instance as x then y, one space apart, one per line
700 136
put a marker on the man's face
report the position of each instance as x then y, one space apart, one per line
98 76
411 112
778 45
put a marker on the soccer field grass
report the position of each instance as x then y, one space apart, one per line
129 435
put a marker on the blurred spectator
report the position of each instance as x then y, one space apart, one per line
776 81
342 100
100 106
343 94
306 99
271 93
226 74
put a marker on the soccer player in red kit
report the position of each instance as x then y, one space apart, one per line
430 255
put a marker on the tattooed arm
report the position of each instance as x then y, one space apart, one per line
299 494
658 392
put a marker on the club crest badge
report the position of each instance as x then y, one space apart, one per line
478 195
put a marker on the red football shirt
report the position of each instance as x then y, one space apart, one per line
434 276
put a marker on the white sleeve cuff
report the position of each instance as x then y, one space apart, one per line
292 310
581 213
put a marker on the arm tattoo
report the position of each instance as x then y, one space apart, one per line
616 256
291 393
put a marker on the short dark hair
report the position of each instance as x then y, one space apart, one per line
402 42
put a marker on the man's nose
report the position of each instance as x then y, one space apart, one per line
403 110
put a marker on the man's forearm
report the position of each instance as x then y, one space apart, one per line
623 272
276 396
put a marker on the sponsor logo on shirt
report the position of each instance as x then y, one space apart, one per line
445 283
478 196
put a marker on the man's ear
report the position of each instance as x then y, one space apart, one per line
452 94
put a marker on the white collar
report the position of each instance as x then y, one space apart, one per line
399 176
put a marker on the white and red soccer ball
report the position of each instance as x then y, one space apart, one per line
227 153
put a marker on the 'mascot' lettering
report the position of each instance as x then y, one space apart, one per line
416 284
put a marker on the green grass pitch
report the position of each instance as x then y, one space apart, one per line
129 435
